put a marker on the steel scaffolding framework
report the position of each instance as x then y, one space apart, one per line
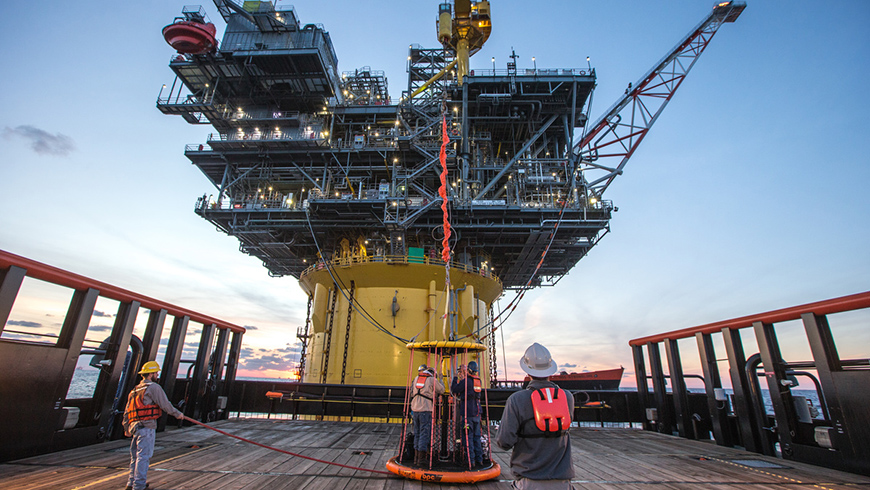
304 158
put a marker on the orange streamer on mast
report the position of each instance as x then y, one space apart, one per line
442 191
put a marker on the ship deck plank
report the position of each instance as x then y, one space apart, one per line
604 459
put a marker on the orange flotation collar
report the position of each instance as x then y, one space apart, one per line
443 476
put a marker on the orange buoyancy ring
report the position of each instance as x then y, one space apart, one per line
551 411
137 410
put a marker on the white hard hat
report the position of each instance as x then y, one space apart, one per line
537 361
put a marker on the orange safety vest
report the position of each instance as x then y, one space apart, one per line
420 383
137 410
552 417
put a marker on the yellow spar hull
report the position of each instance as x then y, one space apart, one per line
344 346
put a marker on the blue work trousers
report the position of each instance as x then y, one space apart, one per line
141 450
471 428
422 430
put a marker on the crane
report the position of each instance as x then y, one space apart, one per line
616 135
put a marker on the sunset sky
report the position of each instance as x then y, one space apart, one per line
749 194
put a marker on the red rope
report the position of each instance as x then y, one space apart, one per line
442 191
283 451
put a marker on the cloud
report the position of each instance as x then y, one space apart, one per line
24 323
100 313
566 366
285 359
250 327
99 328
42 142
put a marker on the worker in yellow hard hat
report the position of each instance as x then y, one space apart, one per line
145 405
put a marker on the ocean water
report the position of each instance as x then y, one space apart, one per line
811 396
83 384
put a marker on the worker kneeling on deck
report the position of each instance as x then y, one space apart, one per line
144 405
535 424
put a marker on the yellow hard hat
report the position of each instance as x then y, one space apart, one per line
150 367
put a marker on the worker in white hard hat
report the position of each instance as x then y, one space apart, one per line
145 405
535 425
426 387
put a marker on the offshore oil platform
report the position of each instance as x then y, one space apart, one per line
403 220
326 178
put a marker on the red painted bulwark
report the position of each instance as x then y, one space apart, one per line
827 307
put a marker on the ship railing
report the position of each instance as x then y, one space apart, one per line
29 290
357 259
293 400
742 418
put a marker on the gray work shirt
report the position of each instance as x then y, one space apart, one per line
422 401
535 458
154 395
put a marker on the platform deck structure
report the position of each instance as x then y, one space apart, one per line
197 458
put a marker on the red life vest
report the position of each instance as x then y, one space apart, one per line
478 387
137 410
552 417
420 383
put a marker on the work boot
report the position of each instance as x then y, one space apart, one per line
424 458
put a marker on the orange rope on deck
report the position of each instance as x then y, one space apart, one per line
283 451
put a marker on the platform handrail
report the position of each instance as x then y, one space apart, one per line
45 272
835 305
343 262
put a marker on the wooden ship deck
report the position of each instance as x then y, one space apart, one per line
198 458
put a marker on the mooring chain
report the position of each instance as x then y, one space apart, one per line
329 333
304 338
493 365
347 330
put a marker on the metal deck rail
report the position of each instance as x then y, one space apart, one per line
385 404
839 439
37 375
